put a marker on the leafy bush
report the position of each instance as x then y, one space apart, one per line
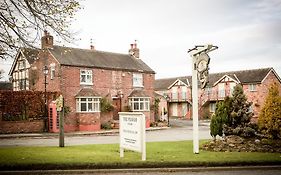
107 125
106 105
269 121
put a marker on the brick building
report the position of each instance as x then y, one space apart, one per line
85 76
255 84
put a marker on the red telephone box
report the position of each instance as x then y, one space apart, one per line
53 118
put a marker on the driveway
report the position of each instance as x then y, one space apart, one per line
180 130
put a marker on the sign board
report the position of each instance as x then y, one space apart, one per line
59 103
132 132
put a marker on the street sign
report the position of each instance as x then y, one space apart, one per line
132 132
59 103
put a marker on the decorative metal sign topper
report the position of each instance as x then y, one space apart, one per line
202 62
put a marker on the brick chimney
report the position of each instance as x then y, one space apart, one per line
47 41
134 50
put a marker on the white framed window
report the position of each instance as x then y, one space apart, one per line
232 86
52 71
252 87
88 104
208 90
21 64
86 77
139 103
212 107
137 80
221 90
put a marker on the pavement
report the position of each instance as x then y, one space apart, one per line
173 123
71 134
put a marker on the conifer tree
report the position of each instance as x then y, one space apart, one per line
232 116
219 118
240 114
269 121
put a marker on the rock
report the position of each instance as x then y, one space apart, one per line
257 141
234 139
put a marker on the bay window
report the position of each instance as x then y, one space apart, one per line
88 104
139 103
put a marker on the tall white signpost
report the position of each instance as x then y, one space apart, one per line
132 132
200 71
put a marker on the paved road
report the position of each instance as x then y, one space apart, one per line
180 130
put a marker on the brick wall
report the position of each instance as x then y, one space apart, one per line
258 97
10 127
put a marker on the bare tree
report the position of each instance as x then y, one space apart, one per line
23 21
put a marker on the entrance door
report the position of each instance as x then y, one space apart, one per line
117 108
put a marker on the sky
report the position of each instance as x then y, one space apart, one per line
248 33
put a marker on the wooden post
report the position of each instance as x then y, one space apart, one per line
60 110
195 107
61 123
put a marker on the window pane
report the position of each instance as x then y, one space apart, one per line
83 78
136 106
90 107
83 106
141 106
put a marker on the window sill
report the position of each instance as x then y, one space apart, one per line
87 112
140 110
138 86
89 84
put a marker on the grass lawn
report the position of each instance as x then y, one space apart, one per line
159 154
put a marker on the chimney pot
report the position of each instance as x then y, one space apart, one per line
92 47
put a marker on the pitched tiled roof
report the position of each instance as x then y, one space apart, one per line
98 59
138 93
30 54
163 84
243 76
87 92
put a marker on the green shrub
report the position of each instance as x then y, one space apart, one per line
232 116
106 105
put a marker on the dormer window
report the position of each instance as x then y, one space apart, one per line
86 77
